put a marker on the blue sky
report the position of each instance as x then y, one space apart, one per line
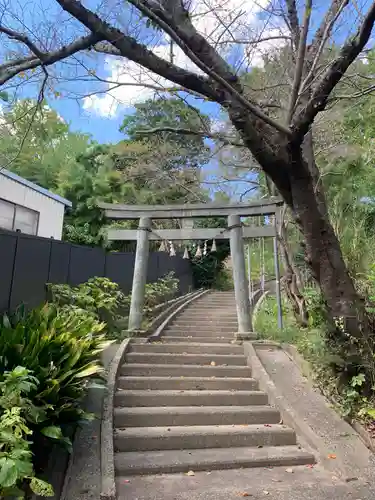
102 116
100 120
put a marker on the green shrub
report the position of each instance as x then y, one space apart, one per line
104 301
16 411
162 290
61 347
100 297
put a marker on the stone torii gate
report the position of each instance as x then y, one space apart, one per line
235 229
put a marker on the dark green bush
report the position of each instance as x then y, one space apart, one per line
61 347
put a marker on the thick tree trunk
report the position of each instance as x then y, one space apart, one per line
323 251
289 170
291 278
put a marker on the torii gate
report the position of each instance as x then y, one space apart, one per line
234 212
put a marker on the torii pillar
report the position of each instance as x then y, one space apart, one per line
140 274
241 286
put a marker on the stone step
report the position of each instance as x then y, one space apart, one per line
190 398
173 461
201 436
185 359
200 332
187 383
206 323
202 312
229 305
187 348
195 415
178 370
203 340
203 329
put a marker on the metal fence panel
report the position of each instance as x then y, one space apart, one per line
30 271
8 242
85 263
59 262
119 268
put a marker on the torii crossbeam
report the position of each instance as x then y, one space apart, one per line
235 232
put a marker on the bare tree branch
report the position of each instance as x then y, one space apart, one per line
220 63
293 21
44 59
185 131
256 41
320 94
316 52
300 60
14 35
128 47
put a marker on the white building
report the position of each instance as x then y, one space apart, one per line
29 208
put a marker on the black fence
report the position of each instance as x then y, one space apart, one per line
27 263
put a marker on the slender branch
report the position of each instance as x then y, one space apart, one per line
48 58
332 76
16 62
323 41
255 42
334 8
206 69
185 131
14 35
293 21
129 48
300 61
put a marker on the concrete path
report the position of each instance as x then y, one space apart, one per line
191 405
300 483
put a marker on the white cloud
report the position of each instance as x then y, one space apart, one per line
140 83
211 18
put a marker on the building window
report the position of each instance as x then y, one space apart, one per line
17 218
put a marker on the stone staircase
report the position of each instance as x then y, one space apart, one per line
188 402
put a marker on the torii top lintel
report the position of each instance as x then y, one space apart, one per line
267 206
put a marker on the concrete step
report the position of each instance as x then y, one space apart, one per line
206 323
194 312
203 329
185 359
178 370
201 436
187 383
199 332
195 415
203 340
208 318
173 461
189 398
187 348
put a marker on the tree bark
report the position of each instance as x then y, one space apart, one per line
323 251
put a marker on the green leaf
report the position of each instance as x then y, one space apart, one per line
52 432
90 370
8 473
371 412
40 487
4 96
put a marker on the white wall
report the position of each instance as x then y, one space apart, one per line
51 212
